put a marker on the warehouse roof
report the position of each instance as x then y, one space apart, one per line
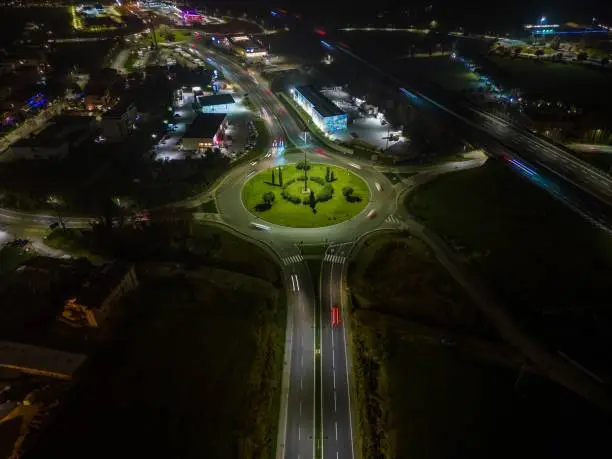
215 99
321 104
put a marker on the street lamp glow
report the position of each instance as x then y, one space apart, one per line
542 19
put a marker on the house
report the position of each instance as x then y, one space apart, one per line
55 140
118 122
98 294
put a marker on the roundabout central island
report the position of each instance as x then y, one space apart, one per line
305 195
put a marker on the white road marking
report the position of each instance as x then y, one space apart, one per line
334 374
301 387
336 426
292 259
299 433
335 405
333 360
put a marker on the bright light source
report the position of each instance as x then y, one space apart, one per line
196 88
154 136
542 19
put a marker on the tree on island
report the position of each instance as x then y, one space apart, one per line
312 201
268 197
327 174
273 177
280 176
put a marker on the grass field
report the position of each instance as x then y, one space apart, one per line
286 213
589 86
197 374
550 268
421 398
445 71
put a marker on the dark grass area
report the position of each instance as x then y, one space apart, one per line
12 257
196 374
420 397
550 268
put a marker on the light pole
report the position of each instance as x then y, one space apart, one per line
305 175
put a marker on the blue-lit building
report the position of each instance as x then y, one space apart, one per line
324 113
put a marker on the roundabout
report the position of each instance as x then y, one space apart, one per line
305 195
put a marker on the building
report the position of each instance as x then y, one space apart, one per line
39 360
99 293
118 122
55 140
324 113
243 46
33 295
204 132
217 103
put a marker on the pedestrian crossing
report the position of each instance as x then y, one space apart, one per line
331 258
293 259
393 219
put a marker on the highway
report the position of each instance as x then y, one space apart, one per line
585 188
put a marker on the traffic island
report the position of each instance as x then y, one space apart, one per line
305 195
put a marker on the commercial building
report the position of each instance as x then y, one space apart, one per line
99 293
55 141
204 131
324 113
118 122
241 45
216 103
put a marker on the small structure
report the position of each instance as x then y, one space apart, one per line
216 103
55 140
99 294
324 113
205 131
118 122
39 360
246 47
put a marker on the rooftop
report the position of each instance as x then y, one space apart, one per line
39 360
205 126
101 282
118 109
245 42
216 99
321 104
59 130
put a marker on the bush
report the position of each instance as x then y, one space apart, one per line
326 193
302 165
347 191
291 198
301 179
318 180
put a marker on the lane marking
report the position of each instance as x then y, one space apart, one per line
334 375
336 426
346 358
335 403
301 383
333 360
299 433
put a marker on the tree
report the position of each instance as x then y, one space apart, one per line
581 56
312 201
302 165
605 61
327 174
268 197
280 176
347 191
539 53
332 177
273 177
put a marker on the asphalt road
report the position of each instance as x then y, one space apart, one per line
336 421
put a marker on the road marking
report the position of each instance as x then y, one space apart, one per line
334 375
331 258
335 405
337 455
301 387
333 360
293 259
393 219
336 426
299 433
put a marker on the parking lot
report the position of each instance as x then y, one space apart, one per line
368 126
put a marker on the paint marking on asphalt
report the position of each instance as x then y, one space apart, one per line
333 359
336 426
301 383
334 375
337 455
335 406
299 433
332 333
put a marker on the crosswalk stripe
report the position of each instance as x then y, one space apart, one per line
292 259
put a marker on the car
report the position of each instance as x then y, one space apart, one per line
259 226
354 135
378 186
335 316
254 163
371 214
